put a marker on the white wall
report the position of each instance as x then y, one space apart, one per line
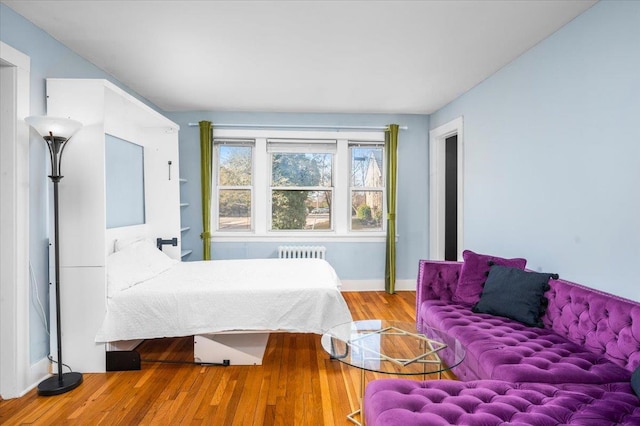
552 153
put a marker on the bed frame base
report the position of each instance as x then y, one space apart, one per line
235 349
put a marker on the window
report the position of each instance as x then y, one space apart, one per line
367 186
296 185
234 185
301 185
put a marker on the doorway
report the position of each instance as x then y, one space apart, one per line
16 372
451 198
446 191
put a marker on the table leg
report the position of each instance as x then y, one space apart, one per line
352 416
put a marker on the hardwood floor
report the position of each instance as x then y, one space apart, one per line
296 385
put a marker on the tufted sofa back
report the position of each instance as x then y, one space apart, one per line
601 322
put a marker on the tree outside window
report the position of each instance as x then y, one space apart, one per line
234 187
301 191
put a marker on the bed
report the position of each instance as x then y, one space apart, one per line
153 296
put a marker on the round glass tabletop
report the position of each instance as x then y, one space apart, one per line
392 347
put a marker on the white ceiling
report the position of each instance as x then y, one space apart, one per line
300 56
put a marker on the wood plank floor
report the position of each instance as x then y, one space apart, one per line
296 385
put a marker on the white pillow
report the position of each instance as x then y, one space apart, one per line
122 243
134 264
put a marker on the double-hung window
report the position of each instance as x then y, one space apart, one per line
366 186
298 185
234 187
301 190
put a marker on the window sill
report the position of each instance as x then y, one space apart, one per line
368 237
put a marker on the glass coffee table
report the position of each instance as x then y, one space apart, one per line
391 347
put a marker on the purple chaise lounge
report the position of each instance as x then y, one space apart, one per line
574 367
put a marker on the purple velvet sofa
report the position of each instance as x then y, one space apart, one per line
576 369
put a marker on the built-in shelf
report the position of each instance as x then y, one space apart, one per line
185 252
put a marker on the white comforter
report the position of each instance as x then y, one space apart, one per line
191 298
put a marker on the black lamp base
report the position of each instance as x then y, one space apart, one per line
54 386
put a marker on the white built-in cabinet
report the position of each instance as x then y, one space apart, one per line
85 242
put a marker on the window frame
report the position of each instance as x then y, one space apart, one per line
261 178
216 187
382 189
301 146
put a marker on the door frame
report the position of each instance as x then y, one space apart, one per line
17 375
437 166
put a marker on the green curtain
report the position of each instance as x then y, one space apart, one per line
206 132
391 154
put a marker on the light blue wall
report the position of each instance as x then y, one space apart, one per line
49 59
352 261
552 153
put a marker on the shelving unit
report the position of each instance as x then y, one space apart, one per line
185 252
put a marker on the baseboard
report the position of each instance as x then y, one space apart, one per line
376 285
37 373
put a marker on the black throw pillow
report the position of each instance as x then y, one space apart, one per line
635 381
516 294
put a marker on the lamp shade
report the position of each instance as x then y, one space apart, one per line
61 127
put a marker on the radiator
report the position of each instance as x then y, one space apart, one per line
298 252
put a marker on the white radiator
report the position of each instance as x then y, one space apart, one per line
298 252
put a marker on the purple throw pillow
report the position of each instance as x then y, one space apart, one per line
474 272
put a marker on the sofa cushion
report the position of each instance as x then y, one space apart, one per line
474 272
515 294
504 349
391 402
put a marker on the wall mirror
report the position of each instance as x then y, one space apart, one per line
124 168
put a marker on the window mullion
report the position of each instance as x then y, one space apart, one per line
261 181
341 195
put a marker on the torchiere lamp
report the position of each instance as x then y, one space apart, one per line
56 132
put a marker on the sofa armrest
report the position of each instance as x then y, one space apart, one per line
437 280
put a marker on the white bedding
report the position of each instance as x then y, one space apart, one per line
191 298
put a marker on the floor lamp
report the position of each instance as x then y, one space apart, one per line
56 132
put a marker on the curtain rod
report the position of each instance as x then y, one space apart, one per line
297 126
